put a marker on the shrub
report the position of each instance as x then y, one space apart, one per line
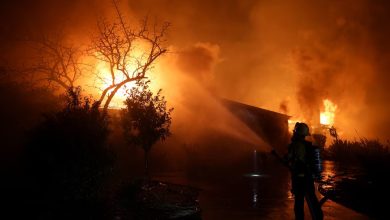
67 155
371 155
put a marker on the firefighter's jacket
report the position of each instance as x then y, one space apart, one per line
297 157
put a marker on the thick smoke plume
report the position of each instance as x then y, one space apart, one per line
290 55
199 61
280 55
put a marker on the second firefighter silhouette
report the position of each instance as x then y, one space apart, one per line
305 165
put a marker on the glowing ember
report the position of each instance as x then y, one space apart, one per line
327 116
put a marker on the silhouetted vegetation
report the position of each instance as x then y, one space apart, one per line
21 109
362 181
114 44
146 118
129 51
67 158
371 155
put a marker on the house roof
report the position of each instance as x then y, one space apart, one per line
254 109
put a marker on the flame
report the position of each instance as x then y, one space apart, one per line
327 116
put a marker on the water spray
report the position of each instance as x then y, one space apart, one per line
256 172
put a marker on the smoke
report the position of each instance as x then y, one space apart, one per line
301 51
283 107
257 52
199 61
199 113
337 60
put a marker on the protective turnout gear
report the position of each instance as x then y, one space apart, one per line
304 157
315 162
301 129
303 187
304 163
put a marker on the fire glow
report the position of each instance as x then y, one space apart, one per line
328 115
105 78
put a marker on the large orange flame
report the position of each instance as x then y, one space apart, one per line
328 115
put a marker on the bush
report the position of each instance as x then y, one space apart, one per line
371 155
146 118
67 156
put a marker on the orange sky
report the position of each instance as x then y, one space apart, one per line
264 53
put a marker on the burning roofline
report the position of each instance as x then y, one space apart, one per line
254 108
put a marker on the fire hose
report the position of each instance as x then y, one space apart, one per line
319 180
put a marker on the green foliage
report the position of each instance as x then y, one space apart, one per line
146 118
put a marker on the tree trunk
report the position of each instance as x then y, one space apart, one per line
115 89
147 164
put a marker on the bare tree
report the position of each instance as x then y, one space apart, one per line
115 44
55 62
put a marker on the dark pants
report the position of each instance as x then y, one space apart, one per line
303 187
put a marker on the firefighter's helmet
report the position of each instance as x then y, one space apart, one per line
301 129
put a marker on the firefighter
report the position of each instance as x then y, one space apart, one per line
300 160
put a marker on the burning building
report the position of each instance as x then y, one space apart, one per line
269 125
